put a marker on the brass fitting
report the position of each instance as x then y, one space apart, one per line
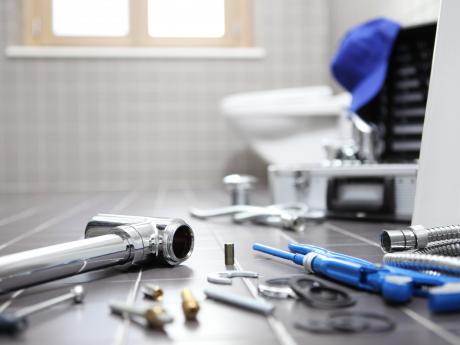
157 316
190 305
153 292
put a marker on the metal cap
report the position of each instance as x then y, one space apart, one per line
239 186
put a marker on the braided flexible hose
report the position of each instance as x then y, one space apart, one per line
417 237
446 248
423 262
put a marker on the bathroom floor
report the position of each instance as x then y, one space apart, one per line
28 221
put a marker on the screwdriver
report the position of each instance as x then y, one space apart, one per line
16 322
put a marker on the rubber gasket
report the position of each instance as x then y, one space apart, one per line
372 319
349 322
318 295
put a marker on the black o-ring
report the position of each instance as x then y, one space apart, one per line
310 292
282 281
386 323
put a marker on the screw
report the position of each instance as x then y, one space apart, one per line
153 292
16 322
155 316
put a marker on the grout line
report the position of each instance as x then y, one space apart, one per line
152 279
125 202
278 328
122 330
282 334
350 234
50 222
43 226
448 336
6 304
18 216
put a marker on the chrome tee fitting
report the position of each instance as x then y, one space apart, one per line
416 237
110 240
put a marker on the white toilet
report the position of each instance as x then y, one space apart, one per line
289 126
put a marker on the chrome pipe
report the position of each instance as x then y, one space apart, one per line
110 240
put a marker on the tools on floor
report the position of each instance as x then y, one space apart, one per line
293 217
396 285
156 316
225 276
288 216
110 240
248 303
17 321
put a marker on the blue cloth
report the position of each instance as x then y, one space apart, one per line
361 62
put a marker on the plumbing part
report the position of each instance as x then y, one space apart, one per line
229 254
152 291
446 247
277 292
424 262
366 139
277 288
349 322
224 278
396 285
417 237
316 294
156 316
110 240
239 187
190 305
15 322
244 302
292 216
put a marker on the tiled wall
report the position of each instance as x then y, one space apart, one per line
98 124
104 124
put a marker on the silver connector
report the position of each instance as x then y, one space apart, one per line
239 187
416 237
110 240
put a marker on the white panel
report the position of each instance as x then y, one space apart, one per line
437 199
186 18
84 18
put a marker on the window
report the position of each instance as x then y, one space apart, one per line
176 23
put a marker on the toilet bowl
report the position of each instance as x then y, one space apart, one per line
288 126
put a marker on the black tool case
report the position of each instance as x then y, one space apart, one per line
398 110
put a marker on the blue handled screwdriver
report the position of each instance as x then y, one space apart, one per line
12 323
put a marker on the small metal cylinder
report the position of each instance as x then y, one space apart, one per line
229 254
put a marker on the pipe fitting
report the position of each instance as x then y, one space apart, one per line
416 237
